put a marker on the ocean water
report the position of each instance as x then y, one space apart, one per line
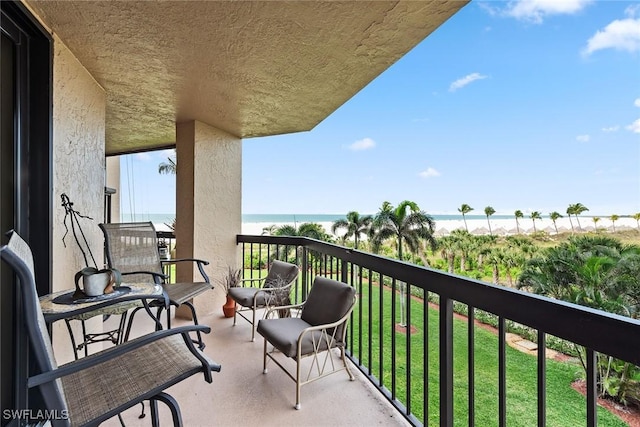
290 218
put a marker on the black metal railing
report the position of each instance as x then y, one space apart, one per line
166 246
396 358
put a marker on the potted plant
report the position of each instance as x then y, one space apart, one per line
230 280
95 282
163 249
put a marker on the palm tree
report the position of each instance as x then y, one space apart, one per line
596 219
518 215
554 217
570 211
613 219
269 230
308 229
511 259
535 215
406 223
312 230
355 225
168 167
464 242
636 216
488 211
495 257
448 247
465 209
577 209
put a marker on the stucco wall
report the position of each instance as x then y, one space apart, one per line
78 168
113 181
208 202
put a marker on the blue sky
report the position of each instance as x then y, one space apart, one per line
530 105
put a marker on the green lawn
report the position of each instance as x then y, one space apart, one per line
565 407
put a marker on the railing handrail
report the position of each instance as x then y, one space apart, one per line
598 330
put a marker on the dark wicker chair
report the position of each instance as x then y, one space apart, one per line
320 328
95 388
132 248
269 291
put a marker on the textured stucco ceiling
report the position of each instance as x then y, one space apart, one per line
248 68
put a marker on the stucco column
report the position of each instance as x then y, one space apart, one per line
208 206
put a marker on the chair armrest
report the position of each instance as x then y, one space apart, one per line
274 290
173 261
103 356
199 262
158 278
330 339
282 307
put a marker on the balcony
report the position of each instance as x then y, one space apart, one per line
396 383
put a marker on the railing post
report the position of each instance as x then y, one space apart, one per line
305 267
592 392
542 379
471 397
502 372
344 274
446 362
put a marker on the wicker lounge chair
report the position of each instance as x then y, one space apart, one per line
95 388
321 327
269 291
132 248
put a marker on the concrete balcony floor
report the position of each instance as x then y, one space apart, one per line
241 395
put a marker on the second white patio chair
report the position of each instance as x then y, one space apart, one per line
321 328
269 291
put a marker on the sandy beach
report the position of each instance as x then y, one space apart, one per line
498 226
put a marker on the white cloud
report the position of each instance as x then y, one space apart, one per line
143 156
462 82
362 144
634 127
632 11
429 173
536 10
583 138
621 34
611 129
637 102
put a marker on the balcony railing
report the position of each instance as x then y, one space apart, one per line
396 360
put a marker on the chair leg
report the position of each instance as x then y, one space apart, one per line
84 338
264 361
121 328
235 314
171 403
298 382
153 405
130 323
253 325
201 344
169 316
73 339
346 366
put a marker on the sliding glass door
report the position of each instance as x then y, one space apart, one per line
25 181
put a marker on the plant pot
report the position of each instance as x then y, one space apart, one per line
97 282
229 308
